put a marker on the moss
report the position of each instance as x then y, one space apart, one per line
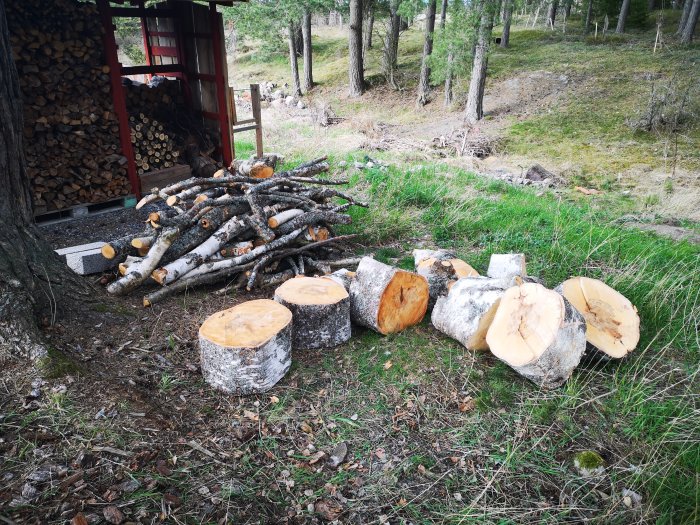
56 364
589 463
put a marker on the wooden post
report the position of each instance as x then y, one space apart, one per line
146 38
255 103
216 28
110 50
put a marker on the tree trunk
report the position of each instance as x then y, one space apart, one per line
687 6
448 79
368 19
622 19
293 62
391 44
552 12
589 14
689 29
475 97
443 14
356 72
567 9
507 15
308 52
35 285
298 39
651 4
424 82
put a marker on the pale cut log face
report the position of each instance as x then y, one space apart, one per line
403 302
612 323
247 325
478 340
526 323
311 290
462 269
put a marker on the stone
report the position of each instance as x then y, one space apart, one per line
89 262
63 252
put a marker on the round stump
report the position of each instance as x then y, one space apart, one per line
320 311
246 349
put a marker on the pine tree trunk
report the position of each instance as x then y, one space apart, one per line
293 62
424 81
308 52
368 19
689 29
356 72
552 12
507 15
622 19
687 6
589 14
298 40
443 14
475 97
448 79
35 285
567 9
391 44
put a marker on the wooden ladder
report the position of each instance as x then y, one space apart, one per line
253 123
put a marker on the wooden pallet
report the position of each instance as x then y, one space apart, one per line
85 210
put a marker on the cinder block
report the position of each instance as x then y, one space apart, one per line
81 248
89 262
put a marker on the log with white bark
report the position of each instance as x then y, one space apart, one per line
387 299
612 322
538 333
343 277
466 312
320 310
246 349
504 265
440 268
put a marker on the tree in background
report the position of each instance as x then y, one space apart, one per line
293 61
687 6
475 97
622 18
552 12
691 22
356 68
368 20
391 43
507 16
424 79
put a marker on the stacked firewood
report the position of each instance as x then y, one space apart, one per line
248 226
70 129
153 146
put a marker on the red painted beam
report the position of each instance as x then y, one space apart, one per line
164 51
110 49
216 23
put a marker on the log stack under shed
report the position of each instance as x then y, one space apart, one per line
71 134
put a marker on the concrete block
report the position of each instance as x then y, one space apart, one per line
89 262
81 248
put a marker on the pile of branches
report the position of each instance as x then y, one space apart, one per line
233 226
466 143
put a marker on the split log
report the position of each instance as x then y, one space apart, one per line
320 310
538 333
246 349
504 265
612 322
440 268
387 299
466 312
255 168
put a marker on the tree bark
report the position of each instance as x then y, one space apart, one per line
356 70
589 14
368 19
687 6
552 12
293 62
443 14
448 79
507 15
391 44
689 29
298 40
35 285
567 9
475 97
424 81
622 19
308 52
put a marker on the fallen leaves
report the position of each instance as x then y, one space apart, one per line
338 455
328 510
113 515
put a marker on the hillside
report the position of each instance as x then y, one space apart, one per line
551 98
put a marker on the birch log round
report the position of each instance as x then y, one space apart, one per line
612 322
504 265
387 299
440 268
466 312
246 349
344 277
320 311
538 333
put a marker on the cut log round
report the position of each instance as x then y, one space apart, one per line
246 349
387 299
612 321
467 311
504 265
320 310
441 267
538 333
